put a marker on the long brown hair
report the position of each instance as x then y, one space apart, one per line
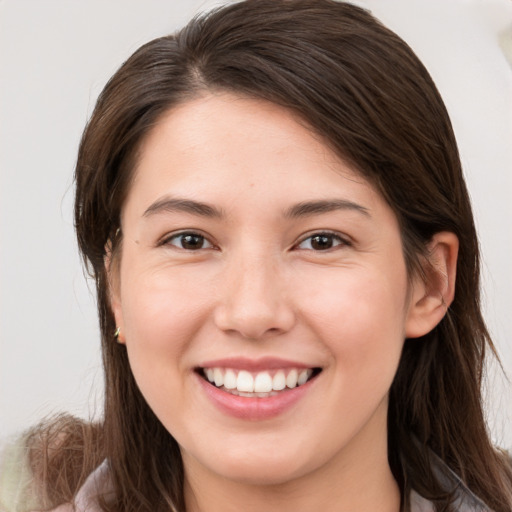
362 89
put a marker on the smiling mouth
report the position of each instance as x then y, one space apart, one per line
261 384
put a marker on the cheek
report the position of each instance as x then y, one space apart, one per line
162 316
360 316
160 298
162 313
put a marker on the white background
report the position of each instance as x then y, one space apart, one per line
55 56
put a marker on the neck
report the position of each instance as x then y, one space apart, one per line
356 478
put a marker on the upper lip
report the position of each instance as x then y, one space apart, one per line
255 365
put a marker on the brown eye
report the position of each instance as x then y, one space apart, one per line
189 241
321 242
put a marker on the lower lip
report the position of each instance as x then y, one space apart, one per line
254 409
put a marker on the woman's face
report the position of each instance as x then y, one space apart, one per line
252 256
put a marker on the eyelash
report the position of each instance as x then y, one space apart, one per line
182 235
333 238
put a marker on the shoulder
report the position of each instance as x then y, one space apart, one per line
420 504
97 485
87 499
18 487
464 500
49 464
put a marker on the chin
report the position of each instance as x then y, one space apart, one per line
263 465
263 472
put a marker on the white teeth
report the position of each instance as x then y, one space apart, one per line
279 381
218 377
303 377
230 379
245 382
291 379
263 383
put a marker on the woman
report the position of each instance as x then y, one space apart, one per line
272 205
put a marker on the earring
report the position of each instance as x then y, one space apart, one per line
117 334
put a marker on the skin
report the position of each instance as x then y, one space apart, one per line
258 287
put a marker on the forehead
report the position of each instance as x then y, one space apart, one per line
211 123
221 147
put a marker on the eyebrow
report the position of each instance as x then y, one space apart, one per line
324 206
304 209
169 204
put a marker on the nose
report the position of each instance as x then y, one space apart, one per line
253 300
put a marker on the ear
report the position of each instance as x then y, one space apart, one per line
433 292
112 272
